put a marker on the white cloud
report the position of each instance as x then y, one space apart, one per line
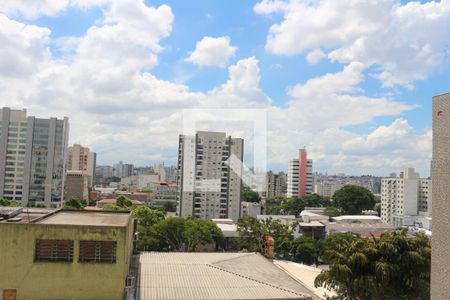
211 51
30 9
121 110
406 41
315 56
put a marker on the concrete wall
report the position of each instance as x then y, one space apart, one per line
45 280
440 263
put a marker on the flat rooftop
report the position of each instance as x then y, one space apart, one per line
87 218
220 276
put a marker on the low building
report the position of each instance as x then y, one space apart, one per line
163 193
225 276
356 219
65 254
104 202
365 230
314 230
250 209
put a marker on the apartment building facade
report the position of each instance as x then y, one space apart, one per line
276 184
82 159
300 180
208 187
32 158
405 201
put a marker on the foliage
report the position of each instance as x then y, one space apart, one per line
253 235
392 267
169 207
6 202
248 195
123 202
74 202
352 199
305 250
332 211
293 206
175 233
146 217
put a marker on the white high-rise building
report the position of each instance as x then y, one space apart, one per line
32 158
207 187
292 178
300 181
405 201
327 188
122 170
82 159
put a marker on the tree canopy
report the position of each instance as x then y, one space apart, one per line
74 202
157 233
393 267
6 202
281 205
352 199
248 195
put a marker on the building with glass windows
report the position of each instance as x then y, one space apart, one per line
32 158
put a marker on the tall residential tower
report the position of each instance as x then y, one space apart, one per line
32 158
82 159
208 187
300 176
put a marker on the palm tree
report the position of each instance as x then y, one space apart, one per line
393 267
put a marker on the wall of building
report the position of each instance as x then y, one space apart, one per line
440 264
55 280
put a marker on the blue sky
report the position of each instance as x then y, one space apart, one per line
352 82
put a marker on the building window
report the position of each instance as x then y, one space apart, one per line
97 252
53 251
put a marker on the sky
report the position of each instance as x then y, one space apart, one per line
352 81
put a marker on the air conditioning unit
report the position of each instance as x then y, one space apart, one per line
130 281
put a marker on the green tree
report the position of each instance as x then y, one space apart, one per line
352 199
315 200
392 267
6 202
248 195
332 211
284 206
123 202
74 202
253 234
304 250
201 232
169 207
147 217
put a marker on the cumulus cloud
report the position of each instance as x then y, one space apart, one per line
211 51
104 84
406 41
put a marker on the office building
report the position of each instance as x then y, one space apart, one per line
81 159
300 181
440 174
405 200
32 158
65 254
276 184
122 170
209 187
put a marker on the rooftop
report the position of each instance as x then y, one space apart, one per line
88 218
22 214
224 276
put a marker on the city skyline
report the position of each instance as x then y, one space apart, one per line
122 76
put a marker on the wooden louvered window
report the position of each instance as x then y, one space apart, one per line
97 252
53 251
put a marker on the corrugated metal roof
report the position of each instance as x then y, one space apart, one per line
224 276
